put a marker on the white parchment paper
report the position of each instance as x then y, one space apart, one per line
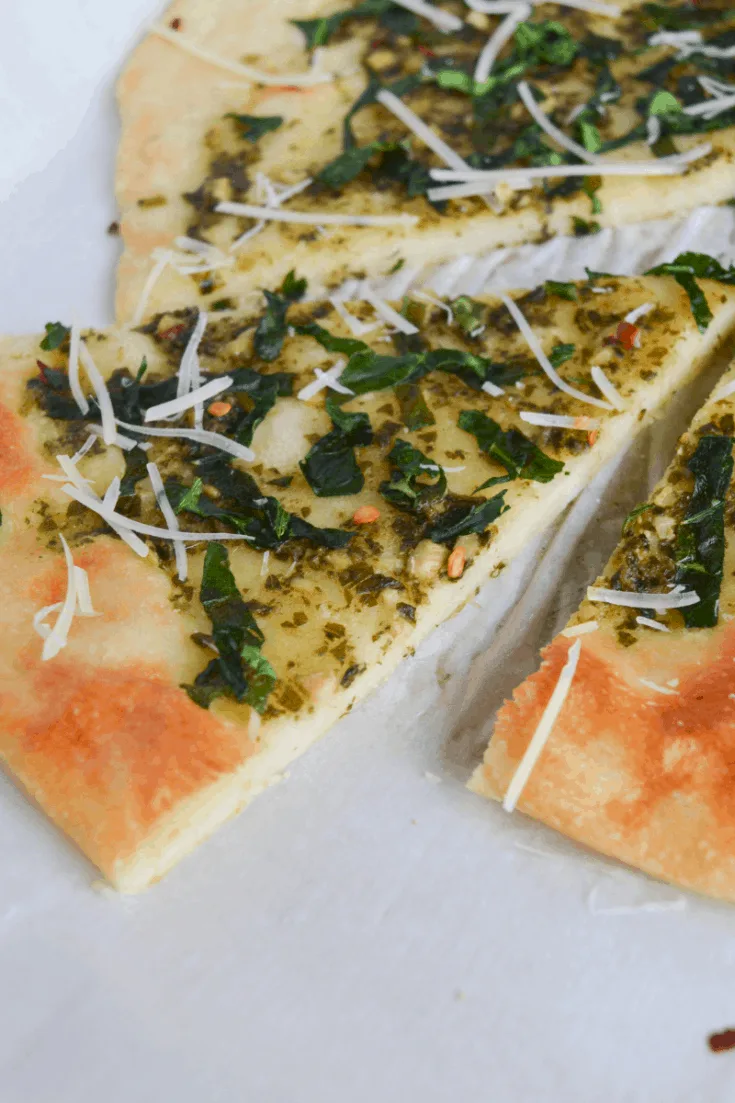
368 930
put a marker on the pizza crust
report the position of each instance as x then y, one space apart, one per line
639 774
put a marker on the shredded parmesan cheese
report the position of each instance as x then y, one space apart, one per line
305 218
533 343
67 466
117 520
386 311
553 131
492 389
188 374
201 436
107 414
423 132
676 599
325 379
648 623
74 384
57 637
185 402
725 392
161 261
426 298
581 629
247 72
544 729
170 518
607 387
356 327
126 443
497 40
561 421
658 688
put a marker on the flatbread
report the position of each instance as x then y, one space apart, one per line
178 141
101 735
639 764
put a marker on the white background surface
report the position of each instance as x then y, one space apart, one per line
364 932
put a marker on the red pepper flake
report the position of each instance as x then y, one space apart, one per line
722 1041
626 335
456 562
219 409
42 372
366 515
175 24
426 51
592 437
173 331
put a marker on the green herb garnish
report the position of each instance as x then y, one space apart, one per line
239 671
468 315
563 290
560 354
271 331
686 269
520 457
415 413
467 517
700 539
253 127
330 466
632 516
415 483
56 334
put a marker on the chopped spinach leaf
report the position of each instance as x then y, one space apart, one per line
271 330
545 43
520 457
581 227
51 389
318 32
415 481
347 165
330 467
56 334
686 269
136 469
563 290
560 354
700 540
632 516
345 345
467 517
415 413
253 127
468 315
371 371
239 670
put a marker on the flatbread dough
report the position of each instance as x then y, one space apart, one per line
177 141
639 764
102 736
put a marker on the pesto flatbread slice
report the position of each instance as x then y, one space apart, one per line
624 739
332 129
269 512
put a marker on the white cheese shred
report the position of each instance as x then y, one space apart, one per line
638 313
85 447
423 132
307 218
497 40
84 595
116 520
201 436
107 414
58 635
126 443
355 326
247 72
543 731
724 392
67 466
424 297
646 622
560 421
188 373
533 343
543 120
581 629
676 599
163 259
74 384
658 689
170 518
385 311
492 389
325 380
112 495
186 401
606 387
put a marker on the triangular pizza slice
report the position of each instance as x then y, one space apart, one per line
624 739
347 139
221 531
